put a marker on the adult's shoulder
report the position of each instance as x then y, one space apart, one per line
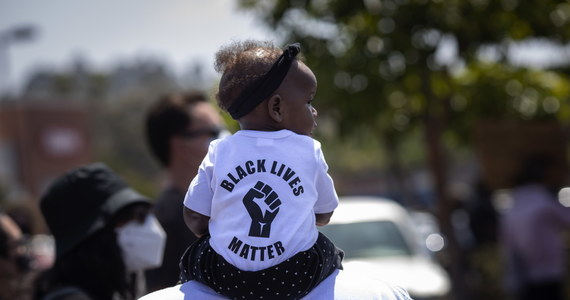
355 286
186 291
338 286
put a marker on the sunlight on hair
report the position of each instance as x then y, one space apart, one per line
564 197
260 53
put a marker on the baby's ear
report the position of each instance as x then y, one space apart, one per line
274 108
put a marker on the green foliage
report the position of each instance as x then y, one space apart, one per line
377 60
406 72
501 91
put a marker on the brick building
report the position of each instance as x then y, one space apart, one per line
39 140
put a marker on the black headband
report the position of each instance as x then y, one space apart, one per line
266 85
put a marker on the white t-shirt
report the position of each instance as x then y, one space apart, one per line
340 285
261 191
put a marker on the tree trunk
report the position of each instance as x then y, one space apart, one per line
400 177
434 122
454 261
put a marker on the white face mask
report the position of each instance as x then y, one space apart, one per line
142 244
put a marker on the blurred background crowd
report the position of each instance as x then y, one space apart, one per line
438 106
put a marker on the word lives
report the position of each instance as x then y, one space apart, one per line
276 168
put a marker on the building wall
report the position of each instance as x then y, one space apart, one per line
41 140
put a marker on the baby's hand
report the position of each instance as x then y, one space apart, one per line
323 219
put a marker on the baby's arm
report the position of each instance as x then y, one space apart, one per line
197 223
323 219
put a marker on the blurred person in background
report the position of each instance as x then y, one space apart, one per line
15 274
25 212
531 232
105 236
179 128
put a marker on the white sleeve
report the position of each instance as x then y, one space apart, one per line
327 199
199 195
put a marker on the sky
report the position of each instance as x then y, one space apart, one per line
179 32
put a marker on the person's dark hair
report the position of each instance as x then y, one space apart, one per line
96 266
169 116
534 169
241 64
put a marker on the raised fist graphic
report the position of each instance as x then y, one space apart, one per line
262 204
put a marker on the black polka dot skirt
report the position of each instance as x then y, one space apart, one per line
291 279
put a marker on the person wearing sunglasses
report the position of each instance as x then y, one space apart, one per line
179 128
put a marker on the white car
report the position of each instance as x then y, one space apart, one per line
379 239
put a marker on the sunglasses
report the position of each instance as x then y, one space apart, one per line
210 132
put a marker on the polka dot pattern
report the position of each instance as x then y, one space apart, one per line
291 279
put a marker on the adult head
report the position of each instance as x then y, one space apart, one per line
180 123
103 231
179 128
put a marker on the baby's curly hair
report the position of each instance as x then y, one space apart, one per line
241 64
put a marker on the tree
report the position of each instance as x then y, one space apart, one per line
397 65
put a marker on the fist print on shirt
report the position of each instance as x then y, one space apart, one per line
262 204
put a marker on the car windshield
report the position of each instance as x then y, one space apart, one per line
367 239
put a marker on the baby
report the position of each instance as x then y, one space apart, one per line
259 193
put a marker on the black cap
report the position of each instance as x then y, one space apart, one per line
81 202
